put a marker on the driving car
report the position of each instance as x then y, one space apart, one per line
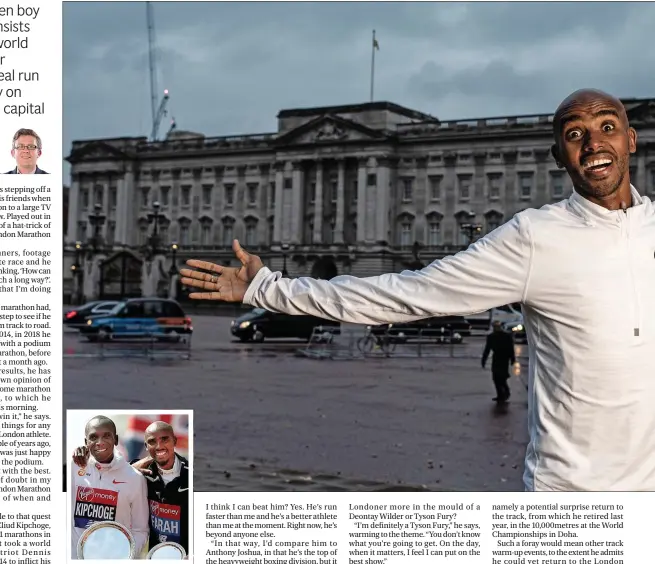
78 316
433 328
259 324
138 318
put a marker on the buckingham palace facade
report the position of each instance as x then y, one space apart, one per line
360 189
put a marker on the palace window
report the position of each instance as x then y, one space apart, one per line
525 186
435 188
465 187
557 184
494 186
408 189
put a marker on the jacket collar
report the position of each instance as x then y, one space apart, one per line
37 170
592 213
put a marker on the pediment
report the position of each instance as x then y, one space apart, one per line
95 151
329 129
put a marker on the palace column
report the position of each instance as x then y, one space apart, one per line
382 201
279 196
361 200
341 201
298 183
73 209
317 235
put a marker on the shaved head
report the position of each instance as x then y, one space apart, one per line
99 421
582 97
159 426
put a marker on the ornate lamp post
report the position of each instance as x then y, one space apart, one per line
97 219
173 269
470 228
154 217
76 271
285 249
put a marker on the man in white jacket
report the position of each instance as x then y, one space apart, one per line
583 269
108 488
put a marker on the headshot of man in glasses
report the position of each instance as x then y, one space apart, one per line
26 149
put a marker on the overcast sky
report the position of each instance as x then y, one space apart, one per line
230 67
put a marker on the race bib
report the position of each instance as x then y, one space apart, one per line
166 521
93 504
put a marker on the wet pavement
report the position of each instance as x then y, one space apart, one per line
268 419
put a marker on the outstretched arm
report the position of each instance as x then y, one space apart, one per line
492 272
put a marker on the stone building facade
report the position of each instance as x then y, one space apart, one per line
344 189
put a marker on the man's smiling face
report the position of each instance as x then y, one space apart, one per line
101 440
593 142
160 442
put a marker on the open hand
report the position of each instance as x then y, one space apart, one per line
225 283
81 456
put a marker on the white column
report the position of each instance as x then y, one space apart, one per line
279 194
73 209
317 236
105 207
371 202
297 215
382 202
341 202
361 200
120 212
126 208
420 199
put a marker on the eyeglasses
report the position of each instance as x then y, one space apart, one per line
28 147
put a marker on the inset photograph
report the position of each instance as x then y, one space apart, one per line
130 484
26 150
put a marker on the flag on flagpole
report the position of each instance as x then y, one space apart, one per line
375 47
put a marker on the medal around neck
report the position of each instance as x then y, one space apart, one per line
106 540
167 551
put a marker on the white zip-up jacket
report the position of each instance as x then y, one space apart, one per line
109 492
586 278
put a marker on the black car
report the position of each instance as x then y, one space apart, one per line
260 324
77 317
430 328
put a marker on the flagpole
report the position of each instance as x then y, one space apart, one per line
372 64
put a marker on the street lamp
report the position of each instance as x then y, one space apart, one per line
76 271
285 249
471 229
173 269
155 218
97 220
